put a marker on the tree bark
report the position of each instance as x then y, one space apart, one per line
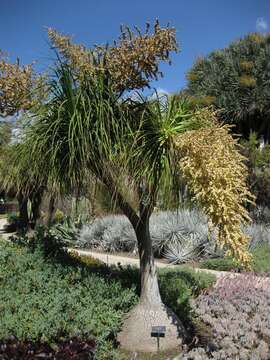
36 199
136 330
23 213
51 210
149 283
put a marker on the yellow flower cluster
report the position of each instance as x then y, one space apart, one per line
16 87
246 65
247 81
216 174
131 62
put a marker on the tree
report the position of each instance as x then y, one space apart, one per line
259 168
21 89
19 179
236 81
88 129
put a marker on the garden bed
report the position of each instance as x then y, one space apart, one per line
45 301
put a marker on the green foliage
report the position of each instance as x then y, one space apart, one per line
86 260
59 216
261 256
221 264
261 261
12 218
5 133
14 223
259 168
49 302
177 287
237 79
44 240
66 230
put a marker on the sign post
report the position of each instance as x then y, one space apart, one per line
158 332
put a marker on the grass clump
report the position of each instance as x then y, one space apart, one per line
261 255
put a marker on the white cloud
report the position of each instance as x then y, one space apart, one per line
261 24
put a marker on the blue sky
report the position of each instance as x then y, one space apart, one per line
202 26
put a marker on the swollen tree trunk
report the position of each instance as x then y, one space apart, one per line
150 311
149 282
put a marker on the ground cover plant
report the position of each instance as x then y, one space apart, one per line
49 298
236 313
50 302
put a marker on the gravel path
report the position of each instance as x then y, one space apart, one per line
125 260
3 234
261 282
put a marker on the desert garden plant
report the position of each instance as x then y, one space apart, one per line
179 236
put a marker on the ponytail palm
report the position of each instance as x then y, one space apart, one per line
87 130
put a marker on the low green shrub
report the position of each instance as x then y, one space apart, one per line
178 287
261 261
221 264
59 216
261 256
87 260
13 223
49 302
47 241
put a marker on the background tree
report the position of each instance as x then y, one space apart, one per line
21 89
258 162
88 129
236 81
18 178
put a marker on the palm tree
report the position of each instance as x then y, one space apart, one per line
129 146
90 127
235 80
126 145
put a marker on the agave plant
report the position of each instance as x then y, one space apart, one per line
111 233
66 231
259 235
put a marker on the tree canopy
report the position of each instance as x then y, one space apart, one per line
131 62
236 80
